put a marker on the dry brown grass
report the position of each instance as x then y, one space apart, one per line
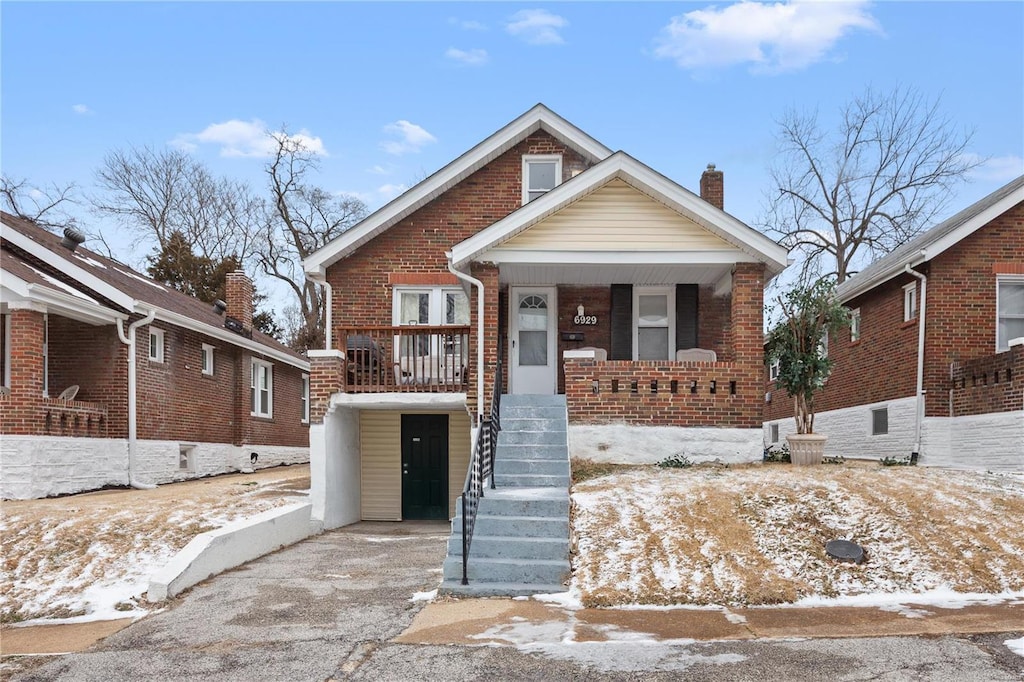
755 534
53 549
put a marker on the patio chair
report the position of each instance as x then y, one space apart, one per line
600 354
69 393
696 355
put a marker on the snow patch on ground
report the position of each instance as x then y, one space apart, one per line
423 596
1015 645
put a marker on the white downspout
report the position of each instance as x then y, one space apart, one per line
919 417
479 335
129 341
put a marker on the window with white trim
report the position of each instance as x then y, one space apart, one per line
910 302
430 306
5 338
855 325
304 399
156 344
879 421
773 369
1010 310
654 328
541 174
823 345
207 359
262 389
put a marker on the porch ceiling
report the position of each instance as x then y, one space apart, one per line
641 274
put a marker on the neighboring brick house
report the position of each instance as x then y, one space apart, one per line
564 246
971 298
205 391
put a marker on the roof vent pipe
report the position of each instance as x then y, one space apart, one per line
219 307
72 238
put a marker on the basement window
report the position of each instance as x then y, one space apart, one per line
186 457
879 421
773 432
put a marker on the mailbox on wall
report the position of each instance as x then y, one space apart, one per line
572 336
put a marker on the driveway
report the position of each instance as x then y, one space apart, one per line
332 607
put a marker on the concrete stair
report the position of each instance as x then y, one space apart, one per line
521 541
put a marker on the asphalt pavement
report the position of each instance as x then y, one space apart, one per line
340 606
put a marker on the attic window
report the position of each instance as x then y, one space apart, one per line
541 174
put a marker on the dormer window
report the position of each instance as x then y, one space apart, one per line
541 174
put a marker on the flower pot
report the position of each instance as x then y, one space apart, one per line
806 448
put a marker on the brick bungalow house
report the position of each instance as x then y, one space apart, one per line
584 271
165 387
933 319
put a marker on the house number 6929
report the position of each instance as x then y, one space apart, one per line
585 319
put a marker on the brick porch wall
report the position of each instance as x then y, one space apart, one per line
994 383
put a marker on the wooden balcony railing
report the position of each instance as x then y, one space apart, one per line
406 358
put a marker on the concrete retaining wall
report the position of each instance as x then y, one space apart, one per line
632 444
233 545
41 466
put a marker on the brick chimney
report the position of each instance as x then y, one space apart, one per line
238 292
712 187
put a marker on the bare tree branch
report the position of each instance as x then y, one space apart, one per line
46 207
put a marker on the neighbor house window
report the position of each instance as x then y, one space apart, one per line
156 345
855 325
910 302
1010 306
46 355
262 386
186 457
304 399
880 421
773 370
207 359
773 430
654 323
541 174
5 356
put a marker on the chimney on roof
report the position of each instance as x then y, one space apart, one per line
239 291
72 238
712 187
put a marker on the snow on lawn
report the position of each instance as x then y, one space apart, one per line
90 556
756 534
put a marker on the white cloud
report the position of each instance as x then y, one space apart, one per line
537 26
245 139
475 57
997 168
772 38
411 138
378 170
390 191
467 25
81 109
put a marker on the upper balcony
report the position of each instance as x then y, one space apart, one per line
405 359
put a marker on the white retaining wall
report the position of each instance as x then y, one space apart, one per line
992 441
40 466
233 545
633 444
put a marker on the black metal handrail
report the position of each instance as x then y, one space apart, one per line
481 468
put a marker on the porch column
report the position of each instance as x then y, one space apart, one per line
488 274
747 313
326 377
28 332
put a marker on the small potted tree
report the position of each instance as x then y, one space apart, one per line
810 314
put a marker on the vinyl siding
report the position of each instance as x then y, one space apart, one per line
380 442
617 218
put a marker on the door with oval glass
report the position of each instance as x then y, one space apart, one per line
533 349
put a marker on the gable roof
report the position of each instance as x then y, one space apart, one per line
41 260
931 243
537 118
641 177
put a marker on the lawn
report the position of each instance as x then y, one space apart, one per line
755 534
90 556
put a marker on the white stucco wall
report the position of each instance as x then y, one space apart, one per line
41 466
990 441
633 444
334 468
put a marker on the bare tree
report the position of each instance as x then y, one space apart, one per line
46 207
301 219
156 194
875 182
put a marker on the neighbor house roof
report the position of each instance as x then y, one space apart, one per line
756 246
39 260
537 118
930 244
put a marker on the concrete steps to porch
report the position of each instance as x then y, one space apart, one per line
520 543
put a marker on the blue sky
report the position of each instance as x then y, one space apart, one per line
393 91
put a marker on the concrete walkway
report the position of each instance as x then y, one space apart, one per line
339 606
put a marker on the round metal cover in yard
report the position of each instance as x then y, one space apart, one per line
844 550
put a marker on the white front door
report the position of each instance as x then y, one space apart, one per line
533 347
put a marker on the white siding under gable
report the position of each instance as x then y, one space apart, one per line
617 217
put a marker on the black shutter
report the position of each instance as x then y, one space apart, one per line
621 322
686 316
